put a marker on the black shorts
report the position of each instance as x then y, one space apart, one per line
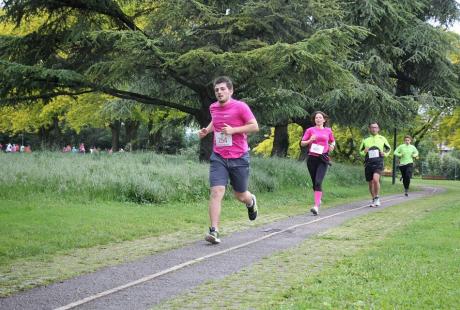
371 168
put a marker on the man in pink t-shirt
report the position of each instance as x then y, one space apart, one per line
231 121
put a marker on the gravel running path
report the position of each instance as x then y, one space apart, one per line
168 274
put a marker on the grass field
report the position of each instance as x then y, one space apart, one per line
403 257
63 214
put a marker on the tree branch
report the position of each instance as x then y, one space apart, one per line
112 9
146 99
44 96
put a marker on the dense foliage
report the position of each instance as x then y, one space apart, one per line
357 60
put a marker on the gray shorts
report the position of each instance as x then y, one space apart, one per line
237 169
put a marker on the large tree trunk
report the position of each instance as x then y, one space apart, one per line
206 143
280 141
150 135
115 128
305 123
44 134
131 128
56 136
50 137
204 118
154 142
206 147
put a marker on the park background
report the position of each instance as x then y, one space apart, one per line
138 75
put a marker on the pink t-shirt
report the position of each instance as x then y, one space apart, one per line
235 114
323 138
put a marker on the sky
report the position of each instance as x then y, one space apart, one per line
455 27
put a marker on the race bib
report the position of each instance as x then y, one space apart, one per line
223 139
316 148
374 153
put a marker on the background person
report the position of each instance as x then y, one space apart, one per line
406 153
320 140
374 148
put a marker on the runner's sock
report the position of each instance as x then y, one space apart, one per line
251 204
318 196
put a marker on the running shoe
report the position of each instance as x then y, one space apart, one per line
406 194
212 236
314 210
372 204
252 210
377 201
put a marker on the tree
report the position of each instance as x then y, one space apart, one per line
288 58
449 129
404 61
275 50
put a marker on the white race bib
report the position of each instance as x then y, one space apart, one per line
223 139
374 153
316 148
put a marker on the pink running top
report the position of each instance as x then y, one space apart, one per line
323 138
235 114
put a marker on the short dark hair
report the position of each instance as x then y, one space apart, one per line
374 123
313 115
223 79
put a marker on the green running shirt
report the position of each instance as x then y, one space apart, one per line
406 153
378 141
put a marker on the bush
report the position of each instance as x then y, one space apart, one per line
446 165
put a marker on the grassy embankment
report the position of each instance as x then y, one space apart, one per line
64 214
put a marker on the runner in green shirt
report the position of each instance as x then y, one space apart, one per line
406 153
374 148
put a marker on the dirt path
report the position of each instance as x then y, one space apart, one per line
147 282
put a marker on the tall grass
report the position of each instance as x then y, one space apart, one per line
52 204
144 177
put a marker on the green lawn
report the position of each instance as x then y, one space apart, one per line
46 238
415 268
403 257
63 215
46 224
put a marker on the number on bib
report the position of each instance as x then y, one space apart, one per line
223 139
374 153
316 148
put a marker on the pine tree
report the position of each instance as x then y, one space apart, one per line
280 53
287 57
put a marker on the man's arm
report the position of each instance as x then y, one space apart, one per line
386 148
249 127
204 131
362 149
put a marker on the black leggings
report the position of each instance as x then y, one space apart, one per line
406 172
317 168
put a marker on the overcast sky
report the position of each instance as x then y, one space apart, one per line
456 27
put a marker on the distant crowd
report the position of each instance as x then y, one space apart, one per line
15 148
82 149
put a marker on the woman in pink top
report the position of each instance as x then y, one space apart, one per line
320 140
